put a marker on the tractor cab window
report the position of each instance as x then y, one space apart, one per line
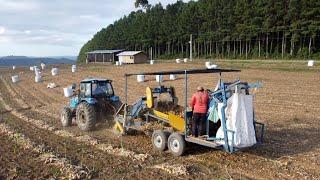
102 89
85 90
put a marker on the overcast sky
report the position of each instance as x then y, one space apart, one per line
56 27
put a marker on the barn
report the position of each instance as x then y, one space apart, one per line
102 56
132 57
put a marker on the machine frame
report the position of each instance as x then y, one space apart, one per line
209 141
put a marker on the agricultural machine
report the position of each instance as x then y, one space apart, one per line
176 131
91 104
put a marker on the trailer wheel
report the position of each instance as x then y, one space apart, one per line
66 117
176 144
160 140
86 116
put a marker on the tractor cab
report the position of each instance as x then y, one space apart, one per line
92 91
95 101
96 88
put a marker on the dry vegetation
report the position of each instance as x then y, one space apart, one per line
34 145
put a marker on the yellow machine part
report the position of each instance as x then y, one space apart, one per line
176 122
149 97
161 114
118 127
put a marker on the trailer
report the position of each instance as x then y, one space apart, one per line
179 135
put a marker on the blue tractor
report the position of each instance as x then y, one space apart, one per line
94 102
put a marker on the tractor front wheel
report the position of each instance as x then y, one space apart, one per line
66 117
85 116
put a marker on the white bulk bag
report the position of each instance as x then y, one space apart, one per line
177 60
31 68
239 114
140 78
117 63
37 73
73 68
54 71
38 79
159 78
311 63
151 62
13 67
185 60
15 78
43 66
210 66
172 77
51 85
68 92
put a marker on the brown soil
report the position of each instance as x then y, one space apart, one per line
288 104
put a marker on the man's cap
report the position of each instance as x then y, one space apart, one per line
200 88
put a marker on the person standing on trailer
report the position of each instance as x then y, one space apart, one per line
199 105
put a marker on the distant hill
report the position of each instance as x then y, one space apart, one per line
30 61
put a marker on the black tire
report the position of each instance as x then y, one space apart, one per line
176 144
86 116
66 117
160 140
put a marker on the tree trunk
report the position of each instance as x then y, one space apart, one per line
282 46
291 48
240 49
259 48
267 46
182 49
228 49
234 48
310 43
249 50
246 49
277 45
271 46
217 50
222 50
194 49
198 49
285 45
210 48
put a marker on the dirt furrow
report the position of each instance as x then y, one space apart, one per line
47 157
100 160
28 100
84 139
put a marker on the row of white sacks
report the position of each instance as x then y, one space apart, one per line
182 60
54 71
159 78
38 77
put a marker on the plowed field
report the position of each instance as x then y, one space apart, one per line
33 143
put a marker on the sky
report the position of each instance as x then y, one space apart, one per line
56 27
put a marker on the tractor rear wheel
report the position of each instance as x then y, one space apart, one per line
86 116
176 144
66 117
160 140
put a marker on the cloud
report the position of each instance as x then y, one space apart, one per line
57 24
18 5
2 30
